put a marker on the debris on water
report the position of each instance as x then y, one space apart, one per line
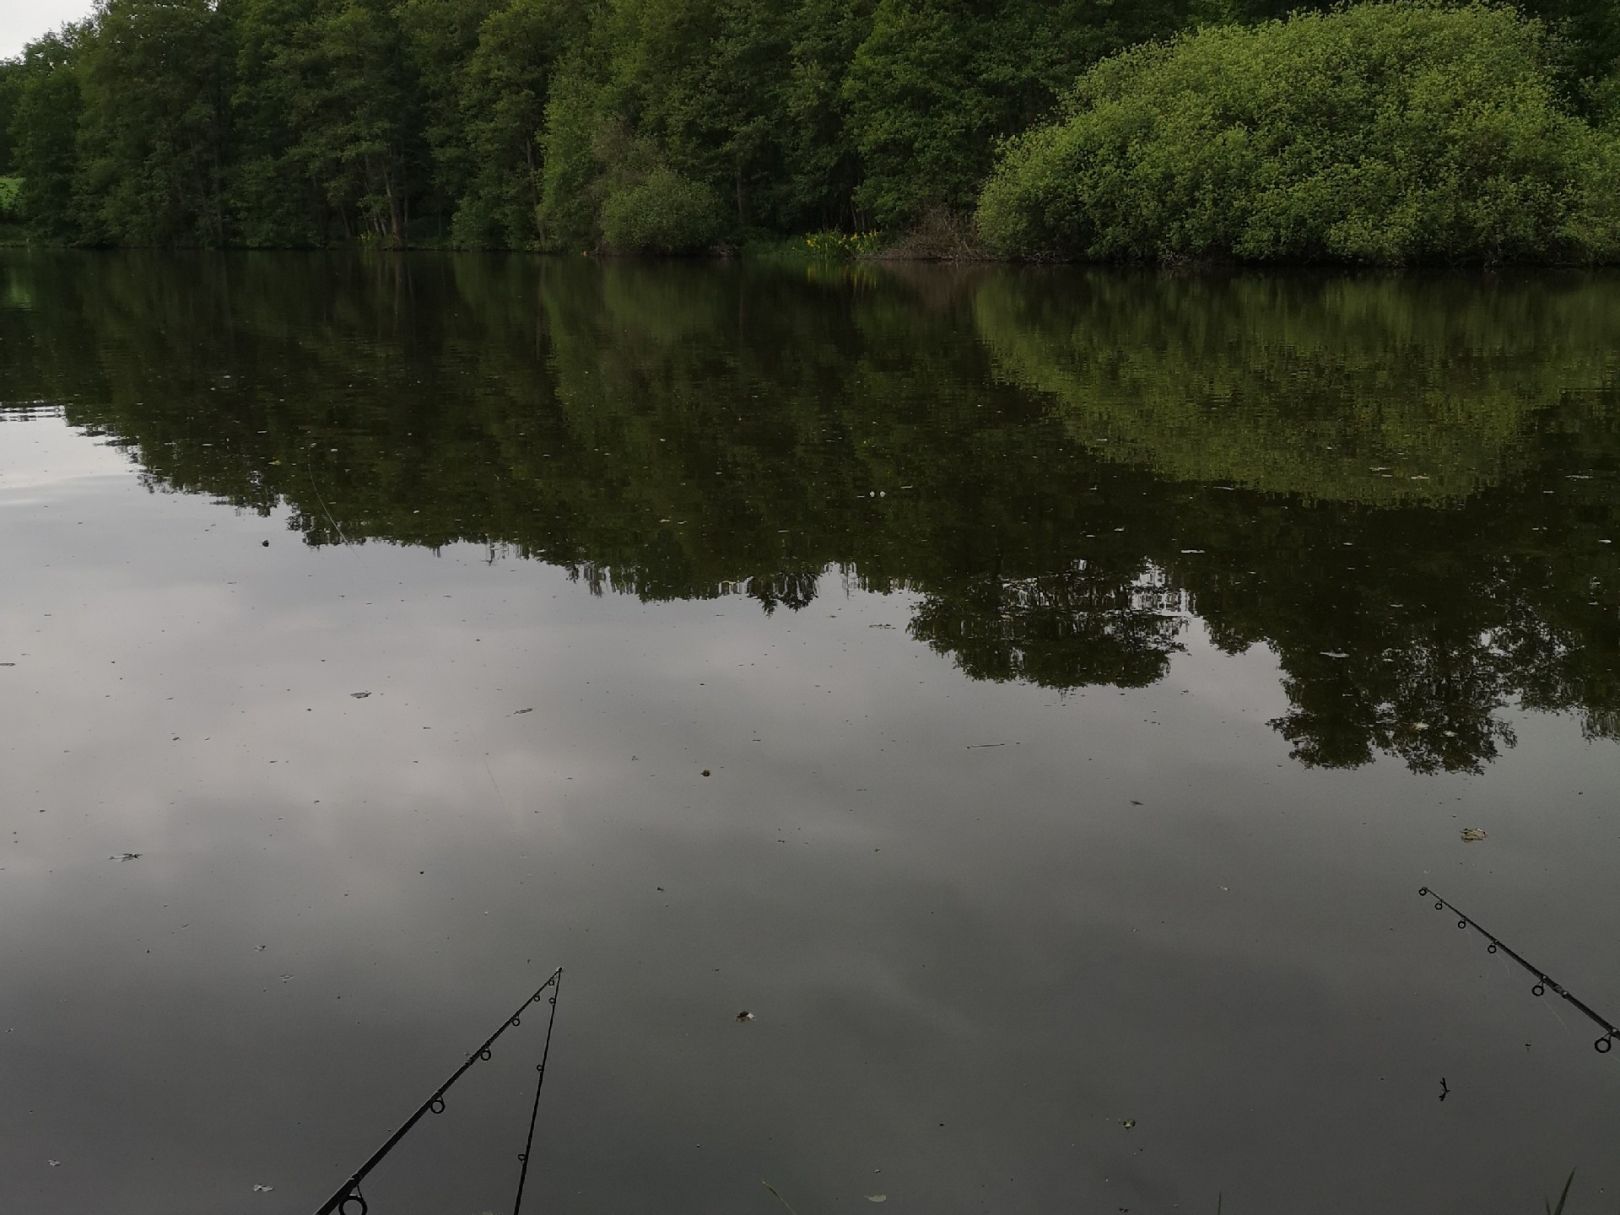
1129 1124
1471 835
359 695
521 712
264 543
1191 551
745 1015
263 1189
705 772
55 1164
125 856
877 1198
1333 654
7 664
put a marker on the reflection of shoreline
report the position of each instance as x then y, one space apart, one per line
685 432
1373 389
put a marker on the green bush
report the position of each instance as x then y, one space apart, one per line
1384 132
832 245
664 212
10 207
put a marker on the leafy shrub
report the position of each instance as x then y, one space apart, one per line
1384 132
832 245
664 212
10 207
566 216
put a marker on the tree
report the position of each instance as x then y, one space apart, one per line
273 199
11 82
1378 133
45 131
152 130
354 106
501 96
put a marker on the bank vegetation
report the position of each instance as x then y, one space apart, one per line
1417 130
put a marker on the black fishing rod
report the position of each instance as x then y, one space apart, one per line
1544 982
349 1192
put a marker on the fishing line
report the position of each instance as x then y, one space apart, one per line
349 1192
1544 983
311 474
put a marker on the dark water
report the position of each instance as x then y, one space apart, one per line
1036 697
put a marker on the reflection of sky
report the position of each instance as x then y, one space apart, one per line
48 457
970 954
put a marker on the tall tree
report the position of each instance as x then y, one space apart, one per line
46 128
11 81
501 98
354 104
273 199
153 126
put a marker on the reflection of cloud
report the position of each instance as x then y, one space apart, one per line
36 452
1132 905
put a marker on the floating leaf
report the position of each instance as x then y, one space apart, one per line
1472 835
877 1198
745 1015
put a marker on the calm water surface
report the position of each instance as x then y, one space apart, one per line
1036 697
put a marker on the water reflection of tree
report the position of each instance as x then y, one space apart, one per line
1068 629
689 431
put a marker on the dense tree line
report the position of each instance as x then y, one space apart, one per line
568 124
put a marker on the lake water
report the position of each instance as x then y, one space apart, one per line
1036 696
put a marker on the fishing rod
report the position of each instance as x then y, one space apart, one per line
1544 982
349 1192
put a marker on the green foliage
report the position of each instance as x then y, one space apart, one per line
271 199
11 81
833 245
937 82
500 98
1381 133
663 213
10 201
1384 132
151 137
45 127
574 129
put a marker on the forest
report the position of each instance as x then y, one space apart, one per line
1077 129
